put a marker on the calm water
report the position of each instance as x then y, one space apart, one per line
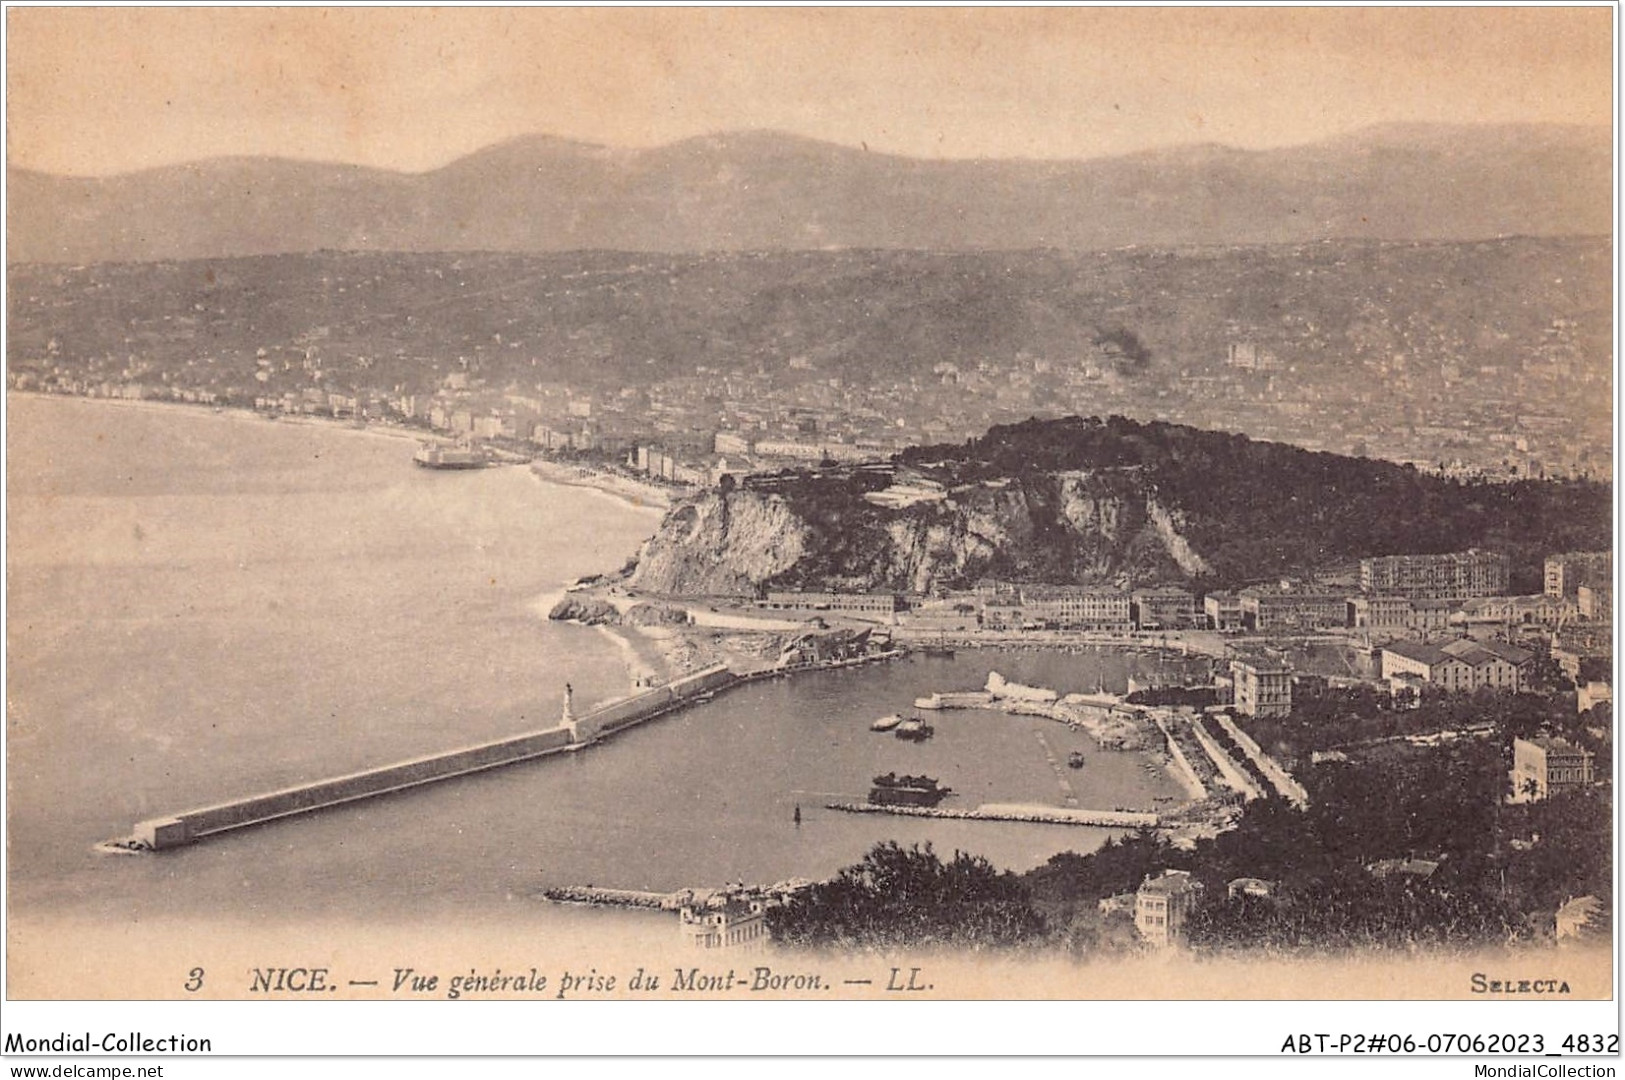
203 606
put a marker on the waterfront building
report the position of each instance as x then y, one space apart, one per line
1262 688
1463 665
1379 614
1567 572
1164 903
1002 613
812 451
1456 575
1548 765
1500 665
1222 610
1066 607
1165 608
1265 609
1398 615
1054 607
859 603
1429 616
737 922
1540 610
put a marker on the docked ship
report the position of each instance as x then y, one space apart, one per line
915 730
435 456
894 790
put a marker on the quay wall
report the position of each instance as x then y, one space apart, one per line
174 830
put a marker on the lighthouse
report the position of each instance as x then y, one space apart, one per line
569 719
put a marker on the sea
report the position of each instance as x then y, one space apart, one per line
204 605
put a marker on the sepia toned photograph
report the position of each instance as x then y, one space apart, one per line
811 504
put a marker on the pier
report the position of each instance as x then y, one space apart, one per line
572 733
597 897
1032 814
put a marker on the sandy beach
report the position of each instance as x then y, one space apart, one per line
644 496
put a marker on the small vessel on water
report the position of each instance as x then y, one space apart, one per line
886 723
894 790
435 456
915 730
1074 760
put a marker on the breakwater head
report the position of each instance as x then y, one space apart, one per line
571 733
593 896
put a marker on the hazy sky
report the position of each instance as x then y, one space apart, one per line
98 90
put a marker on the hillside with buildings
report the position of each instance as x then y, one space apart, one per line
1489 358
1107 502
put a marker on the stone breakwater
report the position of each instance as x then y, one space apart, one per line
572 733
598 897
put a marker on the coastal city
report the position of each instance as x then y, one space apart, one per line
1096 522
1427 634
1349 367
1417 629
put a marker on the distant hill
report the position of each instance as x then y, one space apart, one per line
1112 502
1497 322
771 191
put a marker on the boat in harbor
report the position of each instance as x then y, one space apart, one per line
894 790
915 730
436 456
886 723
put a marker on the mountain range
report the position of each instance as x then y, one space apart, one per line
760 190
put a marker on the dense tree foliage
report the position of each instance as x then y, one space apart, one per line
1485 872
1342 717
909 897
1402 845
1258 509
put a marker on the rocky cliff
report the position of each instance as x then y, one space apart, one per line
1110 502
722 544
1091 527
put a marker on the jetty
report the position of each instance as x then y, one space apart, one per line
628 898
571 733
1115 724
1032 814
